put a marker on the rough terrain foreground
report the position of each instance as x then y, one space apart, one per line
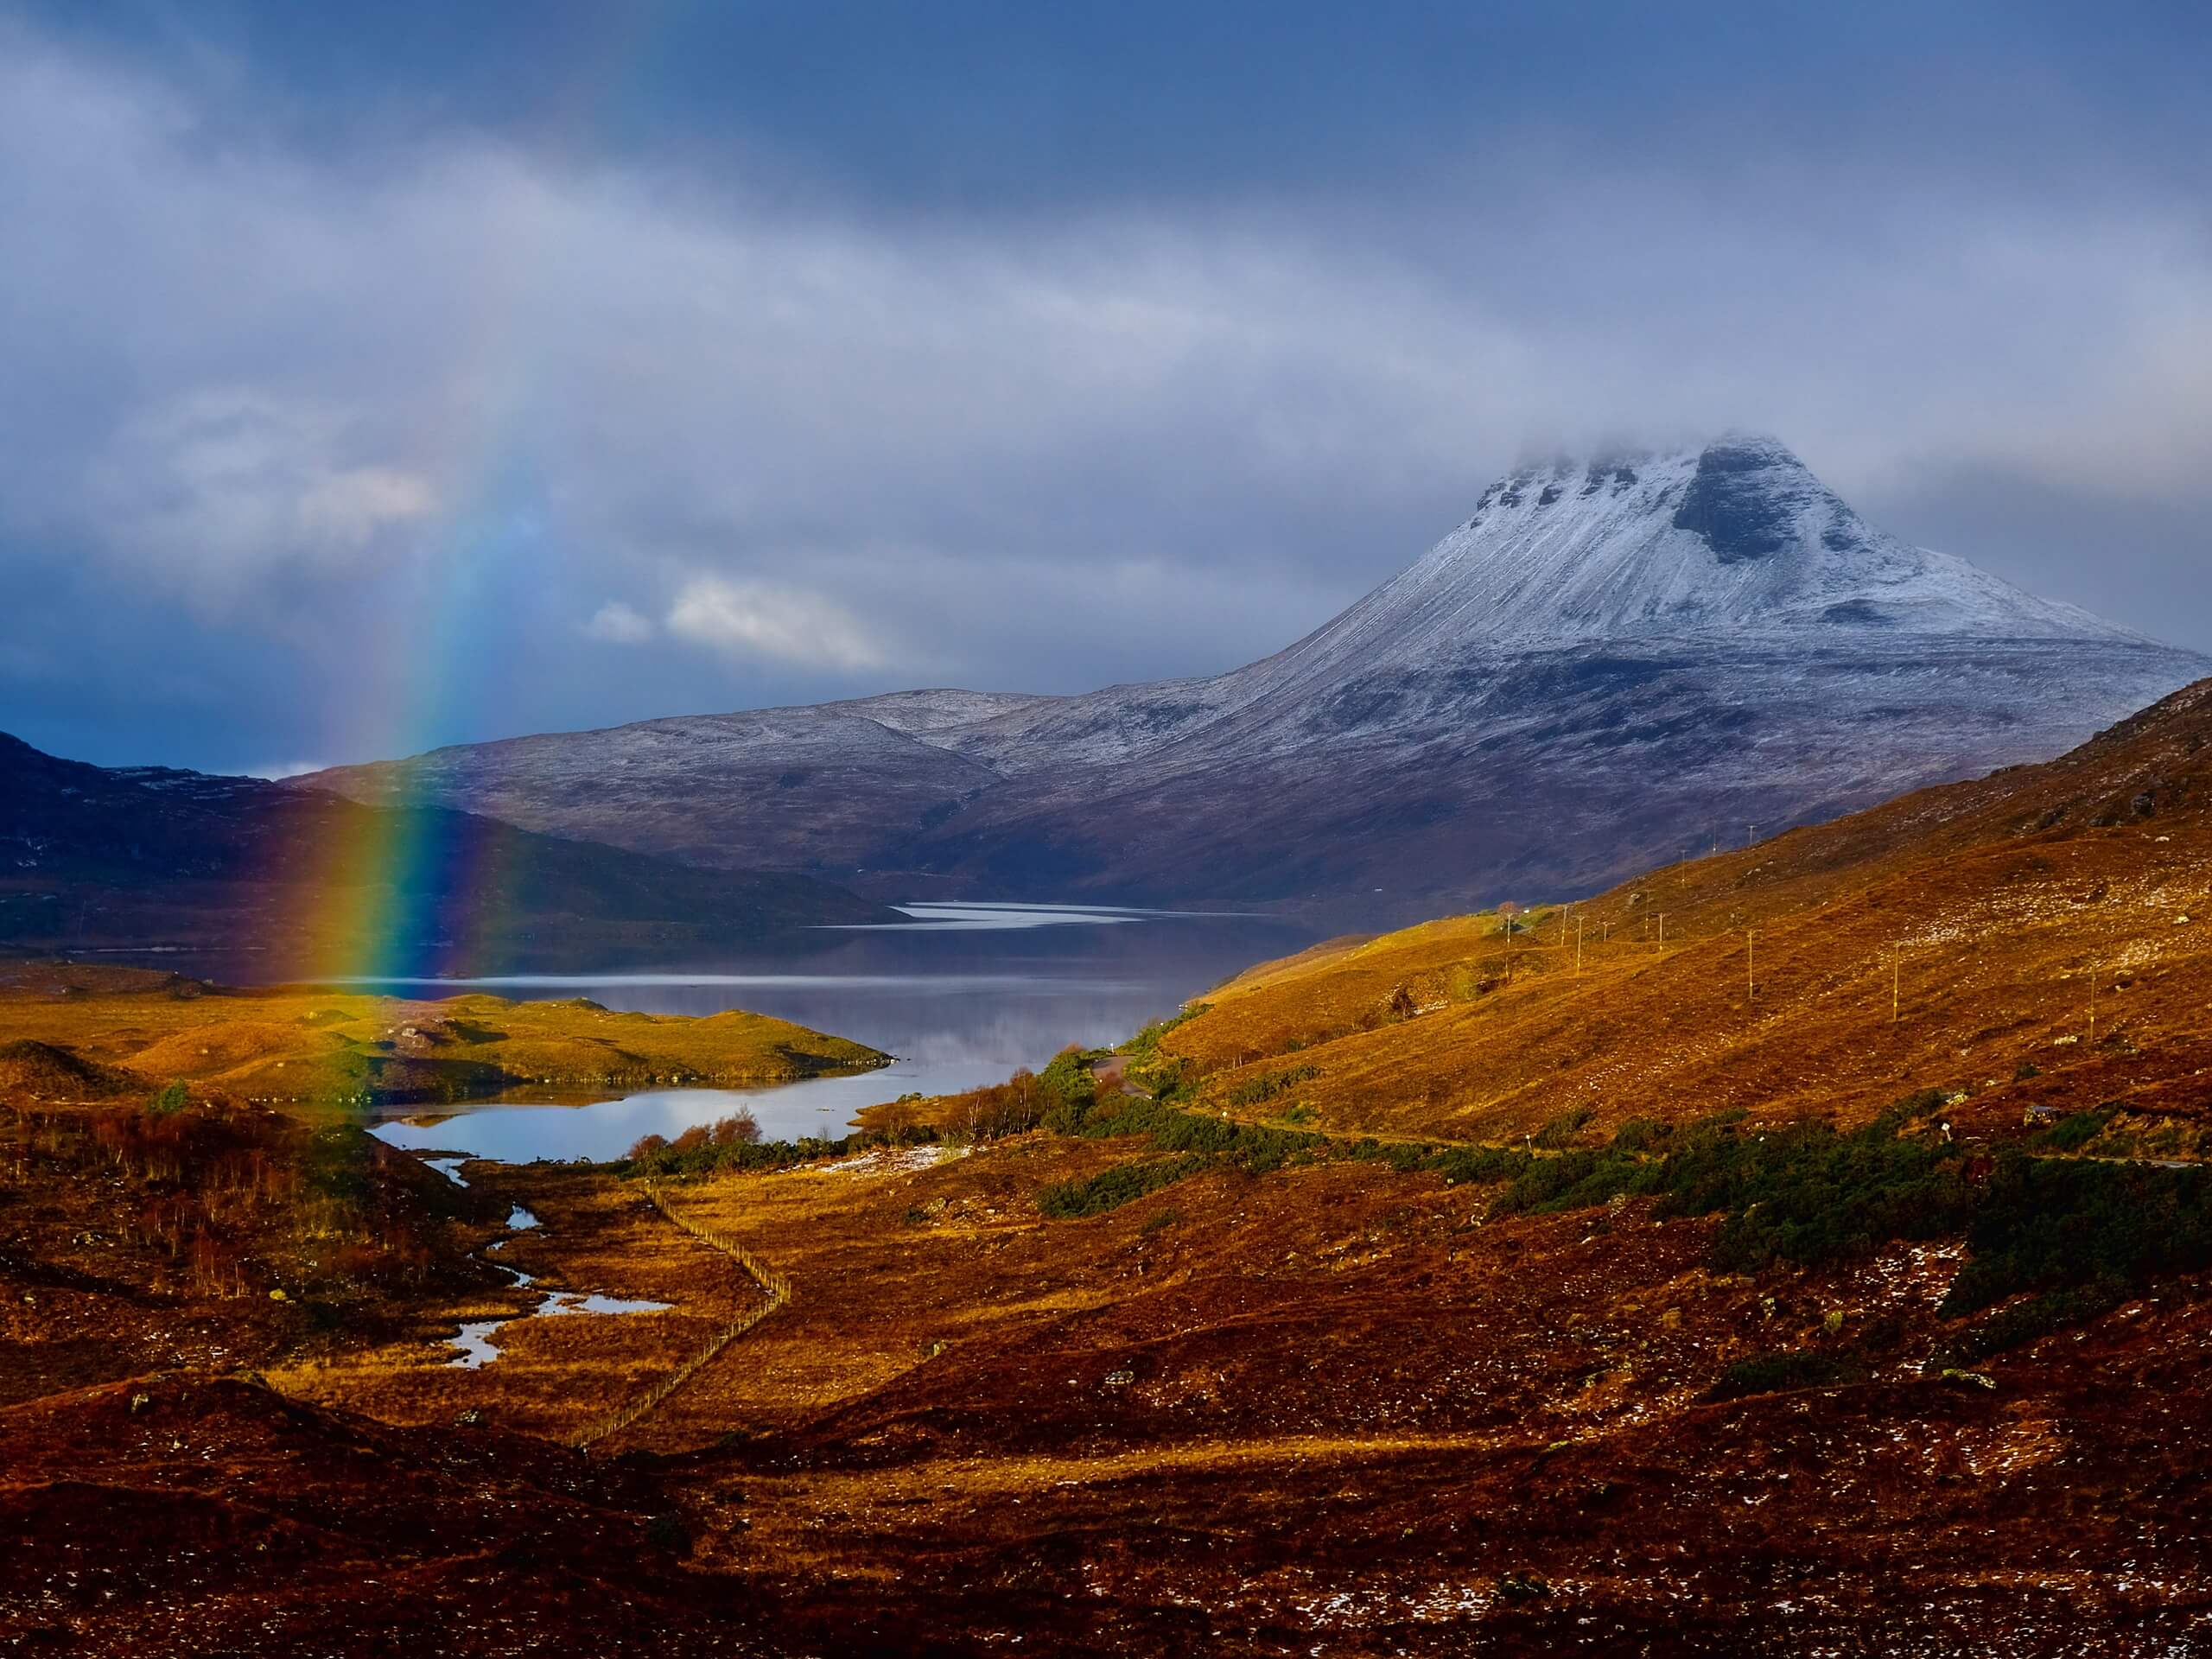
1699 1303
1612 663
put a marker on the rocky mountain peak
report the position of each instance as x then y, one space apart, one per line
1748 497
1736 535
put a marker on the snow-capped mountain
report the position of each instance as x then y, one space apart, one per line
1739 535
1612 662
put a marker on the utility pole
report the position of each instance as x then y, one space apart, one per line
2093 1004
1750 964
1662 933
1897 983
1578 944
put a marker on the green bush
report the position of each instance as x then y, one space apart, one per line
1145 1045
2074 1130
1111 1188
1478 1165
1067 1079
1256 1091
1772 1373
1253 1148
1563 1128
1574 1180
1165 1078
2024 1321
1910 1110
1809 1195
173 1097
1642 1134
2063 1224
1161 1075
1404 1156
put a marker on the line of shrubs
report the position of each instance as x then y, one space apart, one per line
1195 1142
2052 1241
1255 1148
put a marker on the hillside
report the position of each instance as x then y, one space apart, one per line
1987 911
1384 1329
98 858
1610 662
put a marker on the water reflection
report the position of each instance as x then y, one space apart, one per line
964 1003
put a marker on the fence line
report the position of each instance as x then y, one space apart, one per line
773 1286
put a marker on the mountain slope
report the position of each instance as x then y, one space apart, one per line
137 856
1949 940
1739 535
1611 661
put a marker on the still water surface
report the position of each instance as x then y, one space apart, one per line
965 996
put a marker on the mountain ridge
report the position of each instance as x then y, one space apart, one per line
144 856
1646 644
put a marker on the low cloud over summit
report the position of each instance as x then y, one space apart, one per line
809 412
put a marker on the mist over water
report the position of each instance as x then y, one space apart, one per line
967 996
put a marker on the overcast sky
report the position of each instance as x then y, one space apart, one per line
372 378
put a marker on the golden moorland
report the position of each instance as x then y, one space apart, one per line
1518 1281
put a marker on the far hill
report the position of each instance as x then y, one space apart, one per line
1612 661
2039 941
76 1033
92 858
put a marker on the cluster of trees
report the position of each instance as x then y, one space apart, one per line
1151 1067
1022 1102
736 1144
740 1128
990 1113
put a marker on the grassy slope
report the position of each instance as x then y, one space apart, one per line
2007 896
71 1032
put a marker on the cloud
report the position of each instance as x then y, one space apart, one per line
757 618
304 421
617 624
351 508
214 489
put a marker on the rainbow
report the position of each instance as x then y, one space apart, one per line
401 889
